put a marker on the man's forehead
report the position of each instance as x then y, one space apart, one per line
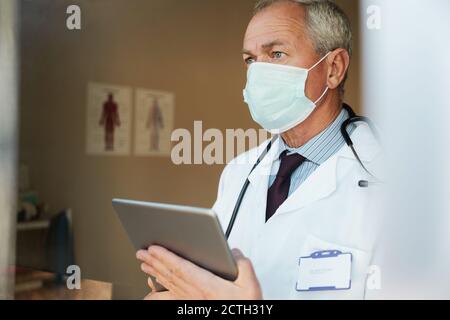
267 40
277 23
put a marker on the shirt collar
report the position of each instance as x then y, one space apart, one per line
320 148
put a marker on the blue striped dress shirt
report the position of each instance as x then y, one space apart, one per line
316 151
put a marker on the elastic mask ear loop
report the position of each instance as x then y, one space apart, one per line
321 97
320 61
326 90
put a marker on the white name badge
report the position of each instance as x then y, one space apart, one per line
325 271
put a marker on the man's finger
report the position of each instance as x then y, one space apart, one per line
153 267
151 284
168 269
237 254
167 278
160 296
164 279
143 256
180 268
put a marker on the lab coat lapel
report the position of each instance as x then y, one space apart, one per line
319 185
323 181
259 183
262 172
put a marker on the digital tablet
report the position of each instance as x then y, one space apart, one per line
192 233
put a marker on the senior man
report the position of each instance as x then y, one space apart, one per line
303 201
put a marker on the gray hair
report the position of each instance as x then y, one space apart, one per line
327 25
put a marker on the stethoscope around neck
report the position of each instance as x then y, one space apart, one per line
353 118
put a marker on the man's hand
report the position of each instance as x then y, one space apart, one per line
186 281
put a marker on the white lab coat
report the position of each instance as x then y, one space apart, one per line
329 211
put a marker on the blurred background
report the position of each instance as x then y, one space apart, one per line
60 194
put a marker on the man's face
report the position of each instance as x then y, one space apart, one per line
278 35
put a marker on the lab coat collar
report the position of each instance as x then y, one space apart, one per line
264 169
323 181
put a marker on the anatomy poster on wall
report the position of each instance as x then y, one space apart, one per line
154 122
108 119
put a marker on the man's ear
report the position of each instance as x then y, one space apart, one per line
338 62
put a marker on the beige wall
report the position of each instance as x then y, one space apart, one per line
190 47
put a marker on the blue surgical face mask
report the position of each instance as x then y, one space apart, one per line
276 95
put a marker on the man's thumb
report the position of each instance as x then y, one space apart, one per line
245 267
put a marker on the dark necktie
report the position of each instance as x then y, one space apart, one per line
279 191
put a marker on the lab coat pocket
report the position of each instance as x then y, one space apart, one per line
360 261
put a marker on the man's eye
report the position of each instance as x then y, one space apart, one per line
249 61
278 55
